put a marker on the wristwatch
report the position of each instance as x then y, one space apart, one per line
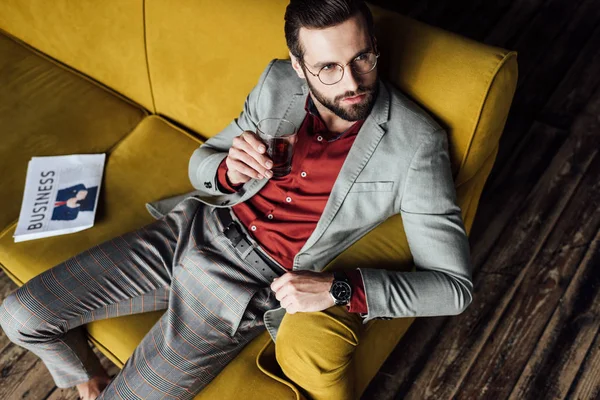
341 290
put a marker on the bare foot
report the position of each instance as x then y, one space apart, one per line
92 388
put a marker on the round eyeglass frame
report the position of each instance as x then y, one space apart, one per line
343 67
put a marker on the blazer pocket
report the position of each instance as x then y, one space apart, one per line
377 186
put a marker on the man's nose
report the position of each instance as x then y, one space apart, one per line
350 80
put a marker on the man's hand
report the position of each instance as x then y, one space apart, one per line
304 291
72 202
82 194
246 159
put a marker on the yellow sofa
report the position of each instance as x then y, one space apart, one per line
146 81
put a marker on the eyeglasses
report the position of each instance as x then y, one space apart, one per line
331 74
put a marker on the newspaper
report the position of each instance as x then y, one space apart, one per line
61 195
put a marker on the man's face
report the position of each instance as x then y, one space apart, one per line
339 44
81 194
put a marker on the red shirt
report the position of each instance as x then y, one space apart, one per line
283 215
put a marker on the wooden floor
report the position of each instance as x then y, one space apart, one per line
532 330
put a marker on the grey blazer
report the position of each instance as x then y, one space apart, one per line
398 163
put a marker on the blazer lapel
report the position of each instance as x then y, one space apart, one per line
363 147
295 112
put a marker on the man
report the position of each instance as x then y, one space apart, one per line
365 152
69 201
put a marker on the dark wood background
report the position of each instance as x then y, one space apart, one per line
532 329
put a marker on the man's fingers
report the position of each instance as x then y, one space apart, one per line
236 177
257 145
254 141
251 148
249 161
245 157
280 281
241 168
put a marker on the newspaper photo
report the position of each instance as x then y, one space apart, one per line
61 195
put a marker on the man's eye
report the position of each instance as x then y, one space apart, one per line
328 67
362 57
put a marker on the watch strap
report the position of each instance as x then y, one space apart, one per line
340 276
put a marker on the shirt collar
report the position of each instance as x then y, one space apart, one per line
310 107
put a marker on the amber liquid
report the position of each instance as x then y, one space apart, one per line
281 152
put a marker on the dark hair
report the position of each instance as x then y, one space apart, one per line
320 14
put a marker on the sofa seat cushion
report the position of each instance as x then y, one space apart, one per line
47 109
150 163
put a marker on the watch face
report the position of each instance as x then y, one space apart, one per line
341 291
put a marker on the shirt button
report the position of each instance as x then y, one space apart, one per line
270 216
253 227
303 174
319 138
288 199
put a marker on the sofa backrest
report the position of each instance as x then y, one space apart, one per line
205 56
102 39
195 61
466 85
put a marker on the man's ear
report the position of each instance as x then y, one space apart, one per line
296 65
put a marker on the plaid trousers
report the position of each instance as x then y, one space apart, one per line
183 263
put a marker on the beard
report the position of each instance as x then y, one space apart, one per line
350 112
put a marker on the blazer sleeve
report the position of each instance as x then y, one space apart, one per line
205 160
441 282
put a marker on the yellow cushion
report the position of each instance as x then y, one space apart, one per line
201 80
48 110
103 39
150 163
467 85
205 56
